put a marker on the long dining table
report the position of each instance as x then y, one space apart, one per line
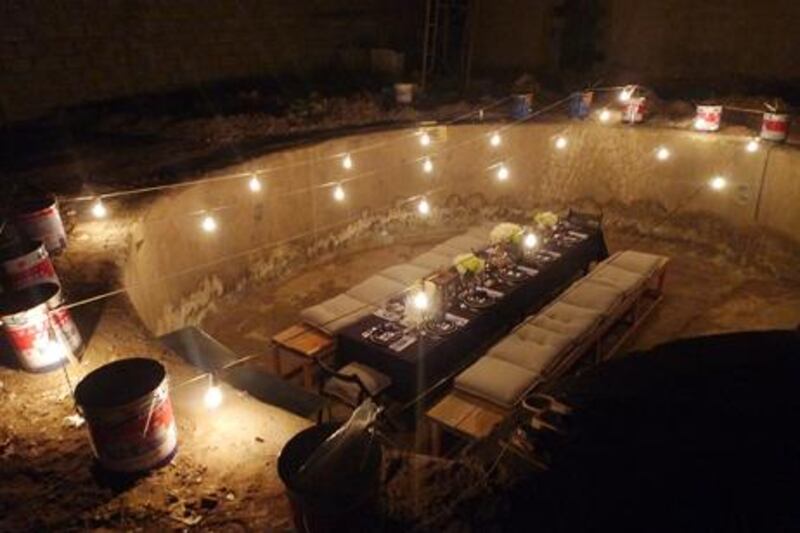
421 360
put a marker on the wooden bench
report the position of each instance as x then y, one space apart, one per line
307 344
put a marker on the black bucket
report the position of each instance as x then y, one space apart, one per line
321 512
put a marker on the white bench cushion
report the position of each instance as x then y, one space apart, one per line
376 289
539 335
532 356
447 249
638 262
374 381
335 314
591 295
495 380
481 232
406 273
432 260
466 243
614 276
568 319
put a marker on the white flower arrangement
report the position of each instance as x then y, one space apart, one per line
546 219
469 263
505 232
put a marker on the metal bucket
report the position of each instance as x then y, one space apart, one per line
775 127
708 117
581 104
129 414
61 319
39 220
404 93
31 331
634 110
26 264
521 105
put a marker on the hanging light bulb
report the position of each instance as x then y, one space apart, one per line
662 153
530 241
209 224
605 115
495 140
718 183
420 301
561 142
254 184
752 145
626 93
347 162
425 139
338 193
99 209
502 173
424 207
427 165
213 395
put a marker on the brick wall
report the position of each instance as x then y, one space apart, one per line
56 53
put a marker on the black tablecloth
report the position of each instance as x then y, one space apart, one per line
425 362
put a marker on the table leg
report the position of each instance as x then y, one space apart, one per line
276 361
436 439
308 378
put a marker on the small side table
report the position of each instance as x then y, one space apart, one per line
305 342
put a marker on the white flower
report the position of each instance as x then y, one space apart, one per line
469 262
546 219
505 232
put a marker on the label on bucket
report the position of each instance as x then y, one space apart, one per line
30 269
44 225
29 334
708 117
634 111
136 437
775 127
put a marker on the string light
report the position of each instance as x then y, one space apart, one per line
425 139
99 209
427 165
209 224
254 184
561 142
662 153
718 183
495 140
213 395
626 93
605 115
338 193
752 145
502 173
420 301
530 241
424 207
347 162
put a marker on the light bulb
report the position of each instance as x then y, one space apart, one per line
425 139
561 142
213 397
718 183
254 184
99 209
662 153
502 173
347 162
424 207
605 115
421 301
530 241
495 139
626 93
338 193
752 146
427 165
209 225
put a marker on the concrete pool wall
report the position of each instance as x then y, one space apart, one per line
175 271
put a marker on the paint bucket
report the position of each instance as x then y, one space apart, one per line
62 321
129 414
25 264
30 330
708 117
634 110
521 105
404 93
581 104
38 219
314 510
775 127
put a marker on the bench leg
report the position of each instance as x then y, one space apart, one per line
276 362
436 439
308 377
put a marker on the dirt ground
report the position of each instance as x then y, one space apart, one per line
224 476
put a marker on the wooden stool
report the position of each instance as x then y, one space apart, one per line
306 342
